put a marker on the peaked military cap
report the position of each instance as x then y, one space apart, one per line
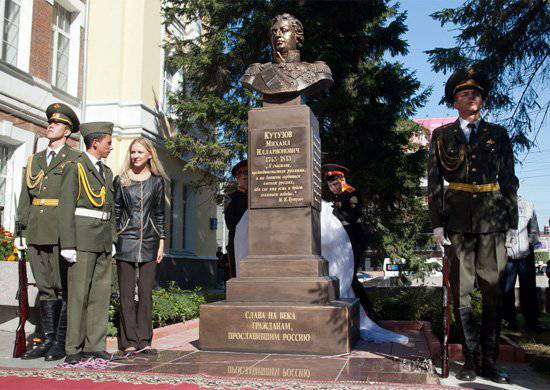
463 79
61 113
96 127
334 171
239 167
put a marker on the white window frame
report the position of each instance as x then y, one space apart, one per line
2 23
56 31
6 175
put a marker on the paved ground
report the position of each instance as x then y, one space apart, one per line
368 362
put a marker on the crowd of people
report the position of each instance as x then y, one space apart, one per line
74 218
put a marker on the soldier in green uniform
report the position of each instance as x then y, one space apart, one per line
235 205
477 213
87 232
38 216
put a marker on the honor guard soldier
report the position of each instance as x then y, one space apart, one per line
348 208
235 204
38 216
476 213
87 233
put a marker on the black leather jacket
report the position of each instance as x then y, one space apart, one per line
139 213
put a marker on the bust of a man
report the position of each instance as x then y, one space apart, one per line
287 75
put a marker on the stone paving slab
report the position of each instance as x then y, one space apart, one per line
368 362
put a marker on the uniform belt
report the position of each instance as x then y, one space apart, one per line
82 212
45 202
489 187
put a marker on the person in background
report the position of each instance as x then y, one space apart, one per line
139 215
521 262
38 215
235 204
348 208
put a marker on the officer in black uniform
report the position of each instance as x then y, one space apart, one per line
235 204
477 213
348 208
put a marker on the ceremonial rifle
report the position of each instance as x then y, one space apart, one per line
446 287
23 297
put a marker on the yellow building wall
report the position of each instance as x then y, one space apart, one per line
123 81
124 51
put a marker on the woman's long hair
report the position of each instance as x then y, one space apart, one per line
154 163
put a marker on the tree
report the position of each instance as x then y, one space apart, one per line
509 40
358 116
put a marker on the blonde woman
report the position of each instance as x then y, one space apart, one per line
139 212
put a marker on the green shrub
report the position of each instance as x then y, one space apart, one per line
541 256
170 305
415 303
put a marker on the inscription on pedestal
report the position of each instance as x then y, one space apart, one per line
269 326
279 172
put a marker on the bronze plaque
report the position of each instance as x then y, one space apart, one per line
280 175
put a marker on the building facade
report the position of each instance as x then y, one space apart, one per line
127 82
105 59
41 61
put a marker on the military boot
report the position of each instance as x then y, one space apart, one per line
470 346
48 318
490 335
57 351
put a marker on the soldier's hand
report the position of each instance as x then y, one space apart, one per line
439 237
20 243
69 255
511 238
113 250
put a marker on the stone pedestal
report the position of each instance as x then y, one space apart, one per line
283 300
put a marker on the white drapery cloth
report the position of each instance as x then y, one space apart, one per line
336 249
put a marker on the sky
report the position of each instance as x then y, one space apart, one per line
424 34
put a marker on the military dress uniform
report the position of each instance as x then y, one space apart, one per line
38 215
235 204
476 209
348 208
87 224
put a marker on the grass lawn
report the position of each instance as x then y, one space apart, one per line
536 344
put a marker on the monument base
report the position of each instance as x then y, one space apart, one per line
280 327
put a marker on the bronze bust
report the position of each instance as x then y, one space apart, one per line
287 75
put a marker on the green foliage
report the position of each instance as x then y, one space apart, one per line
170 305
418 304
541 256
114 316
360 117
509 40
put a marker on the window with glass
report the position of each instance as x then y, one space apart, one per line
183 211
9 24
60 46
170 85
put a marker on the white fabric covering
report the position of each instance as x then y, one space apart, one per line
336 249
